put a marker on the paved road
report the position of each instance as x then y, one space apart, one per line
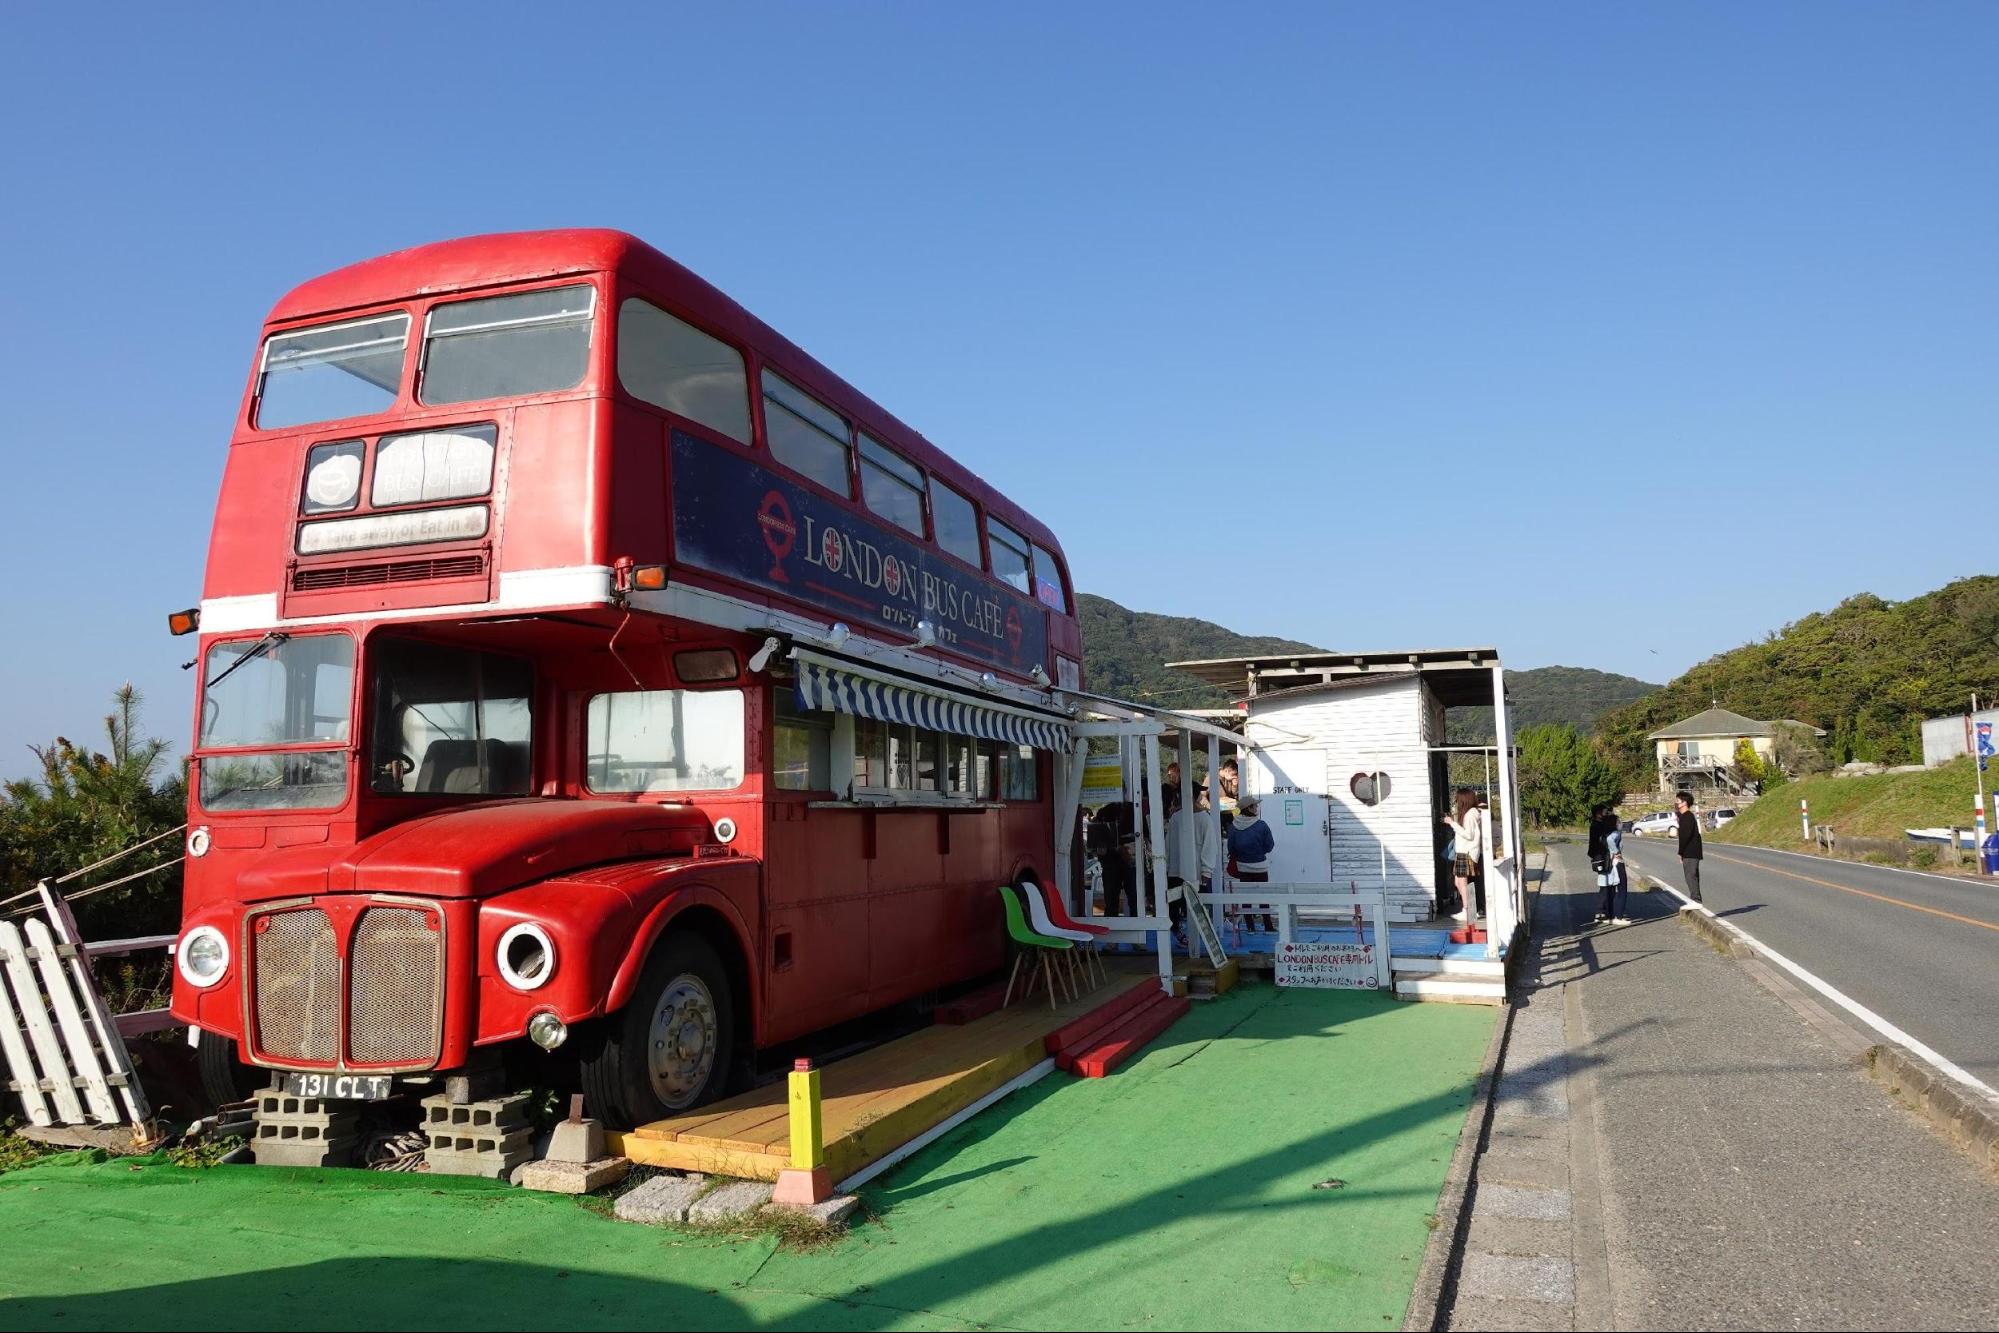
1922 951
1674 1146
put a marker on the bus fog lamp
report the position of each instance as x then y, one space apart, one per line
547 1031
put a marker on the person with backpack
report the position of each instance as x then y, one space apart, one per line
1607 859
1250 844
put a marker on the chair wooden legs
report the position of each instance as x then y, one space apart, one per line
1011 976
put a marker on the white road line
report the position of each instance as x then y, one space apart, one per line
1854 1007
1863 865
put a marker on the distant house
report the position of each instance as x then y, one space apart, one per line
1700 751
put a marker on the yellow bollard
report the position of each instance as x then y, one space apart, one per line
808 1138
806 1181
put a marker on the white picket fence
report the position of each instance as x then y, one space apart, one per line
66 1056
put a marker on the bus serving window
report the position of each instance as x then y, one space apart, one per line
805 435
448 720
892 486
672 364
665 740
1009 555
259 694
957 523
1048 580
351 369
802 746
505 346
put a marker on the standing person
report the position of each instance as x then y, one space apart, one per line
1250 845
1115 832
1599 860
1690 842
1468 857
1611 875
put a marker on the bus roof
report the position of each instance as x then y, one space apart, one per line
526 256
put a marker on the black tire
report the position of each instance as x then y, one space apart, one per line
224 1078
618 1083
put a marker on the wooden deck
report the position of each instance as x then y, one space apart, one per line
874 1102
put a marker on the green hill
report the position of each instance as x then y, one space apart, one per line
1124 652
1540 695
1868 671
1880 805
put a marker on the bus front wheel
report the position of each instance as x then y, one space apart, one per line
671 1047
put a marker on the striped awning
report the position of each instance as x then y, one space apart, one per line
830 688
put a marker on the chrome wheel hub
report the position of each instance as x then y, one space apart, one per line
681 1041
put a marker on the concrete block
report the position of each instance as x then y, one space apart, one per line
555 1177
658 1201
304 1152
576 1141
442 1116
725 1203
832 1212
479 1154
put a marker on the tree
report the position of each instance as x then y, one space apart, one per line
86 804
1563 776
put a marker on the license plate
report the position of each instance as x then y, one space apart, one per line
339 1087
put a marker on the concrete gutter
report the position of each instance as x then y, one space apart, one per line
1443 1253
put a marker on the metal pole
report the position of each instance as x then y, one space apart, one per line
1978 775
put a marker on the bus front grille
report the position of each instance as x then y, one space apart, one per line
297 987
397 993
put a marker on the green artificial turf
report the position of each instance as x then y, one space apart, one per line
1177 1193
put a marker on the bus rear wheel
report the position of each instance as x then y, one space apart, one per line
672 1047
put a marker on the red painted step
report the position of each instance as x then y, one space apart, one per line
1128 1039
1100 1019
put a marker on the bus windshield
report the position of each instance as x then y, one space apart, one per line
448 720
349 369
277 691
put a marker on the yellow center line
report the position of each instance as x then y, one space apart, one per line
1862 893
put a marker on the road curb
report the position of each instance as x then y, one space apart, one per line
1956 1112
1443 1253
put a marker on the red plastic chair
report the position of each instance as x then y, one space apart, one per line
1060 916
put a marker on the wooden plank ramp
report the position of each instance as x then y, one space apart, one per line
874 1102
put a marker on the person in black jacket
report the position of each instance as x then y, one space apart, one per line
1690 843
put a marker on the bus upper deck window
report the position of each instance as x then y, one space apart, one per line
506 346
805 435
1048 580
334 371
1010 560
671 364
891 485
957 523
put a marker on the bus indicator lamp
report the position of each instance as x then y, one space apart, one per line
926 634
184 622
1040 675
649 578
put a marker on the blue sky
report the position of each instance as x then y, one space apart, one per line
1374 326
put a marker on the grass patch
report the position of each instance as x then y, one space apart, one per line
1879 805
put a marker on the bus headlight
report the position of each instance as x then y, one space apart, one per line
526 956
203 956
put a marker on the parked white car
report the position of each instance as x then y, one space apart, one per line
1663 821
1720 817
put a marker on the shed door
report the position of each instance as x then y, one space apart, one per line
1301 823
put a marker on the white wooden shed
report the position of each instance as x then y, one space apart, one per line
1323 724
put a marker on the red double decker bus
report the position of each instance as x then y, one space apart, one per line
585 667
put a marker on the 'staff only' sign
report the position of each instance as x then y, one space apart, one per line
743 521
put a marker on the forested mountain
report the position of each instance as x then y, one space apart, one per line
1868 671
1123 652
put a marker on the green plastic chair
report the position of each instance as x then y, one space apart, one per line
1026 936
